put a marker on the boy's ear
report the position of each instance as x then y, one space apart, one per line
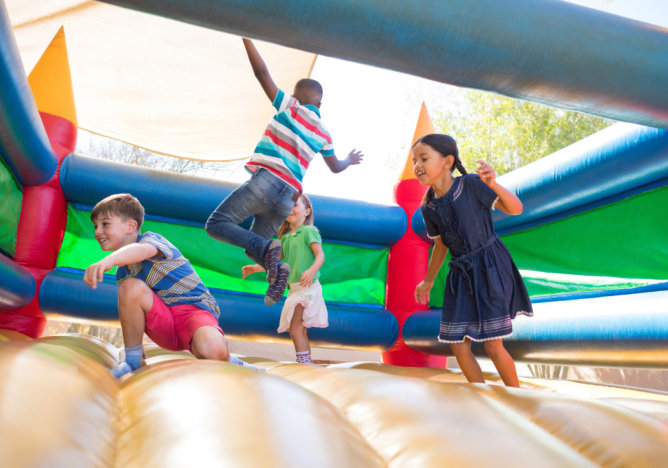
132 225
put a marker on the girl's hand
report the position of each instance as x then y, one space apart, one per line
250 269
306 279
422 292
486 172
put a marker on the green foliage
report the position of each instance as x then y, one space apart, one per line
510 133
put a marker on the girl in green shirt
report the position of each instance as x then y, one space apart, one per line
301 248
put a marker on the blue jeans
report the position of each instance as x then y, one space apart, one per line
265 197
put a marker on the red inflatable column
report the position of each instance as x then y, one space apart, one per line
44 209
408 262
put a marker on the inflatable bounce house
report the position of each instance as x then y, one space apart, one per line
591 245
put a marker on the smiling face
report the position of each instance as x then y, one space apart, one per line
299 213
429 166
113 232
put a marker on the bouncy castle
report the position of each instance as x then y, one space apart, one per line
590 245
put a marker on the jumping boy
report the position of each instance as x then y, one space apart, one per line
292 139
158 291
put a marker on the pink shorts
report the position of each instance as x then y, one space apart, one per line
173 327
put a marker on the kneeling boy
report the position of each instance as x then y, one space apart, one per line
158 291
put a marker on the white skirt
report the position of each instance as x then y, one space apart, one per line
315 311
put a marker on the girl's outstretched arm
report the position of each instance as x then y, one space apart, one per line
250 269
508 201
307 277
438 254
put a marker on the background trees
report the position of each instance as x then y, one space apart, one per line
510 133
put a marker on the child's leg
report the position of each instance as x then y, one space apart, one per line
223 223
467 362
299 335
503 362
135 299
209 343
266 198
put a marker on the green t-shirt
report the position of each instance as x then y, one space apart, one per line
297 251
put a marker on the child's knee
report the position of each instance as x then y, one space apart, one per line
211 346
133 289
494 348
209 226
297 329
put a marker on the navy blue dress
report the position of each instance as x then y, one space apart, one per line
484 289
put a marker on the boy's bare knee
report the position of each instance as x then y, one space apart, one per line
134 289
209 343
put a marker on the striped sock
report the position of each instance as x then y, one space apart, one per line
133 357
304 356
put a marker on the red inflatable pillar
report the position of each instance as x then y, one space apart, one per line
44 209
408 261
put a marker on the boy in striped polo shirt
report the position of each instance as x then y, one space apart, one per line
158 291
292 139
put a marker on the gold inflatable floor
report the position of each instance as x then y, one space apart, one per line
59 407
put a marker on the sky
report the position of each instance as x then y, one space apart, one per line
376 110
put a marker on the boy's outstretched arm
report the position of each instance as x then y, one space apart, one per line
337 165
260 70
132 253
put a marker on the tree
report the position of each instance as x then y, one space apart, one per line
90 144
510 133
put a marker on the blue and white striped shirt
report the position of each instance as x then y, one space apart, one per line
170 276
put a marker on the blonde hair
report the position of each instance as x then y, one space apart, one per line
120 204
285 227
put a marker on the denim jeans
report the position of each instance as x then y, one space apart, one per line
265 197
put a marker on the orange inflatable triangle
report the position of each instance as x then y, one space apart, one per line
424 127
51 81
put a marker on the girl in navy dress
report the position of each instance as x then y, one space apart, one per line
483 289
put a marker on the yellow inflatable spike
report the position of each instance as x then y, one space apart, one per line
51 81
424 127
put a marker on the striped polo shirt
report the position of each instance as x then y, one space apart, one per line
170 276
292 139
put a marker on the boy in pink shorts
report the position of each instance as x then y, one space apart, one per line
159 292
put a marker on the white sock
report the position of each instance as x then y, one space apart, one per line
303 356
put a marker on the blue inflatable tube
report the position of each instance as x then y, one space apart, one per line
178 198
628 330
24 145
616 162
546 51
17 286
64 292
